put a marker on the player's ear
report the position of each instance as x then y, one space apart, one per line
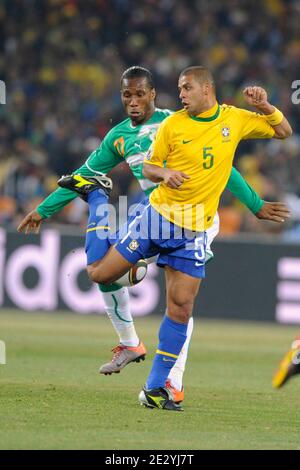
210 87
153 94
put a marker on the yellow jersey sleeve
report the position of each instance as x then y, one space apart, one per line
160 147
254 125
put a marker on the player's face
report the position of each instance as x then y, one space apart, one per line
193 94
138 99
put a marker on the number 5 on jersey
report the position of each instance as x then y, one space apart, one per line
208 158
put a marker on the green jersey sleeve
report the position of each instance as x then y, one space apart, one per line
239 187
102 160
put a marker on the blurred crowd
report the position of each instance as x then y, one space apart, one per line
61 61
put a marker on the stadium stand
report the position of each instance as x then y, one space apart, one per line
61 61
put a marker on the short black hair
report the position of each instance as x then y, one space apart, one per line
136 71
202 74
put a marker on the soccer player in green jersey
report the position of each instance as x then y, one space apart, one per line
130 141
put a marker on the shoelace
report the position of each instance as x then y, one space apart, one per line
117 351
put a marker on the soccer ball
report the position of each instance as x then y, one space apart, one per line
135 275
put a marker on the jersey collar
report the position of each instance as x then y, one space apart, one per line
209 115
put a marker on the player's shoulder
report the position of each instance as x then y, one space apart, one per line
229 108
121 126
175 117
163 112
117 131
234 110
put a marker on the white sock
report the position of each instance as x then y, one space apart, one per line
176 373
117 307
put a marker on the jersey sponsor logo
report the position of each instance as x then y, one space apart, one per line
120 146
187 141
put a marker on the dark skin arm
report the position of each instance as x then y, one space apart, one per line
274 211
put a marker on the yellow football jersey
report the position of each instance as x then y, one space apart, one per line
203 147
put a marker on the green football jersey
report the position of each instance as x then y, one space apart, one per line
131 143
123 142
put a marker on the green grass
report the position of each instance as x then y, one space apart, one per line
51 396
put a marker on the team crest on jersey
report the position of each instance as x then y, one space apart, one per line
225 133
133 245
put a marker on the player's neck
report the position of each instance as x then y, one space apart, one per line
209 109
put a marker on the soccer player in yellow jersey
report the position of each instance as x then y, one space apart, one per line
198 145
289 366
191 157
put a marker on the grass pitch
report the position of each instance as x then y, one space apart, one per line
51 396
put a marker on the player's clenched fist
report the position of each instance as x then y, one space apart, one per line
174 178
255 95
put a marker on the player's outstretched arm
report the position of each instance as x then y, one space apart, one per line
49 206
274 211
257 97
102 160
242 190
172 178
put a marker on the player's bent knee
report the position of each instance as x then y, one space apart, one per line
183 301
182 312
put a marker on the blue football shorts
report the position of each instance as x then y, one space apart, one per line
149 234
97 246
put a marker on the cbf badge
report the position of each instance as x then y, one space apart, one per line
226 133
133 245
